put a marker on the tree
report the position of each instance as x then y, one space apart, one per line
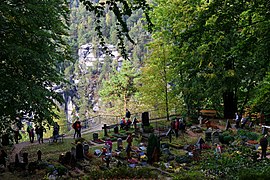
32 45
215 49
122 9
120 87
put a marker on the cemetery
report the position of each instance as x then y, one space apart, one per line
197 151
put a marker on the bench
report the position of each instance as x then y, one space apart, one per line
208 113
59 138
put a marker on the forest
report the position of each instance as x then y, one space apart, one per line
200 66
178 57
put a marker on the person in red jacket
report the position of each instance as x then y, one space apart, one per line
77 128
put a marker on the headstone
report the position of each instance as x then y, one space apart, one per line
73 152
119 144
208 135
67 158
145 119
228 125
200 142
5 140
17 161
116 130
25 158
79 151
85 148
95 136
251 124
215 137
264 130
39 153
105 130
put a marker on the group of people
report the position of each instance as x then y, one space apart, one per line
39 130
241 120
126 124
178 125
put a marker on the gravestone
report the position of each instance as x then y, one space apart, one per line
208 135
67 158
39 153
228 125
85 148
145 119
116 130
105 130
25 158
264 130
251 124
17 161
5 140
119 144
200 142
95 136
215 137
79 151
73 152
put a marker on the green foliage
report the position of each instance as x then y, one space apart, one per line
122 10
216 46
190 175
32 48
245 134
120 87
123 172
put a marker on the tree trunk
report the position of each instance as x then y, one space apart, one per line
230 104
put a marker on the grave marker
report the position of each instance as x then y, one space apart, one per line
95 136
116 130
39 153
228 125
105 130
215 137
208 135
79 151
119 144
200 142
85 148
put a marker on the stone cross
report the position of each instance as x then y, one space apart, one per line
105 130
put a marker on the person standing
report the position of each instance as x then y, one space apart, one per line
30 131
77 128
39 132
264 144
56 129
128 114
16 131
237 120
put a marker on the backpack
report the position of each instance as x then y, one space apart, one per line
74 125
